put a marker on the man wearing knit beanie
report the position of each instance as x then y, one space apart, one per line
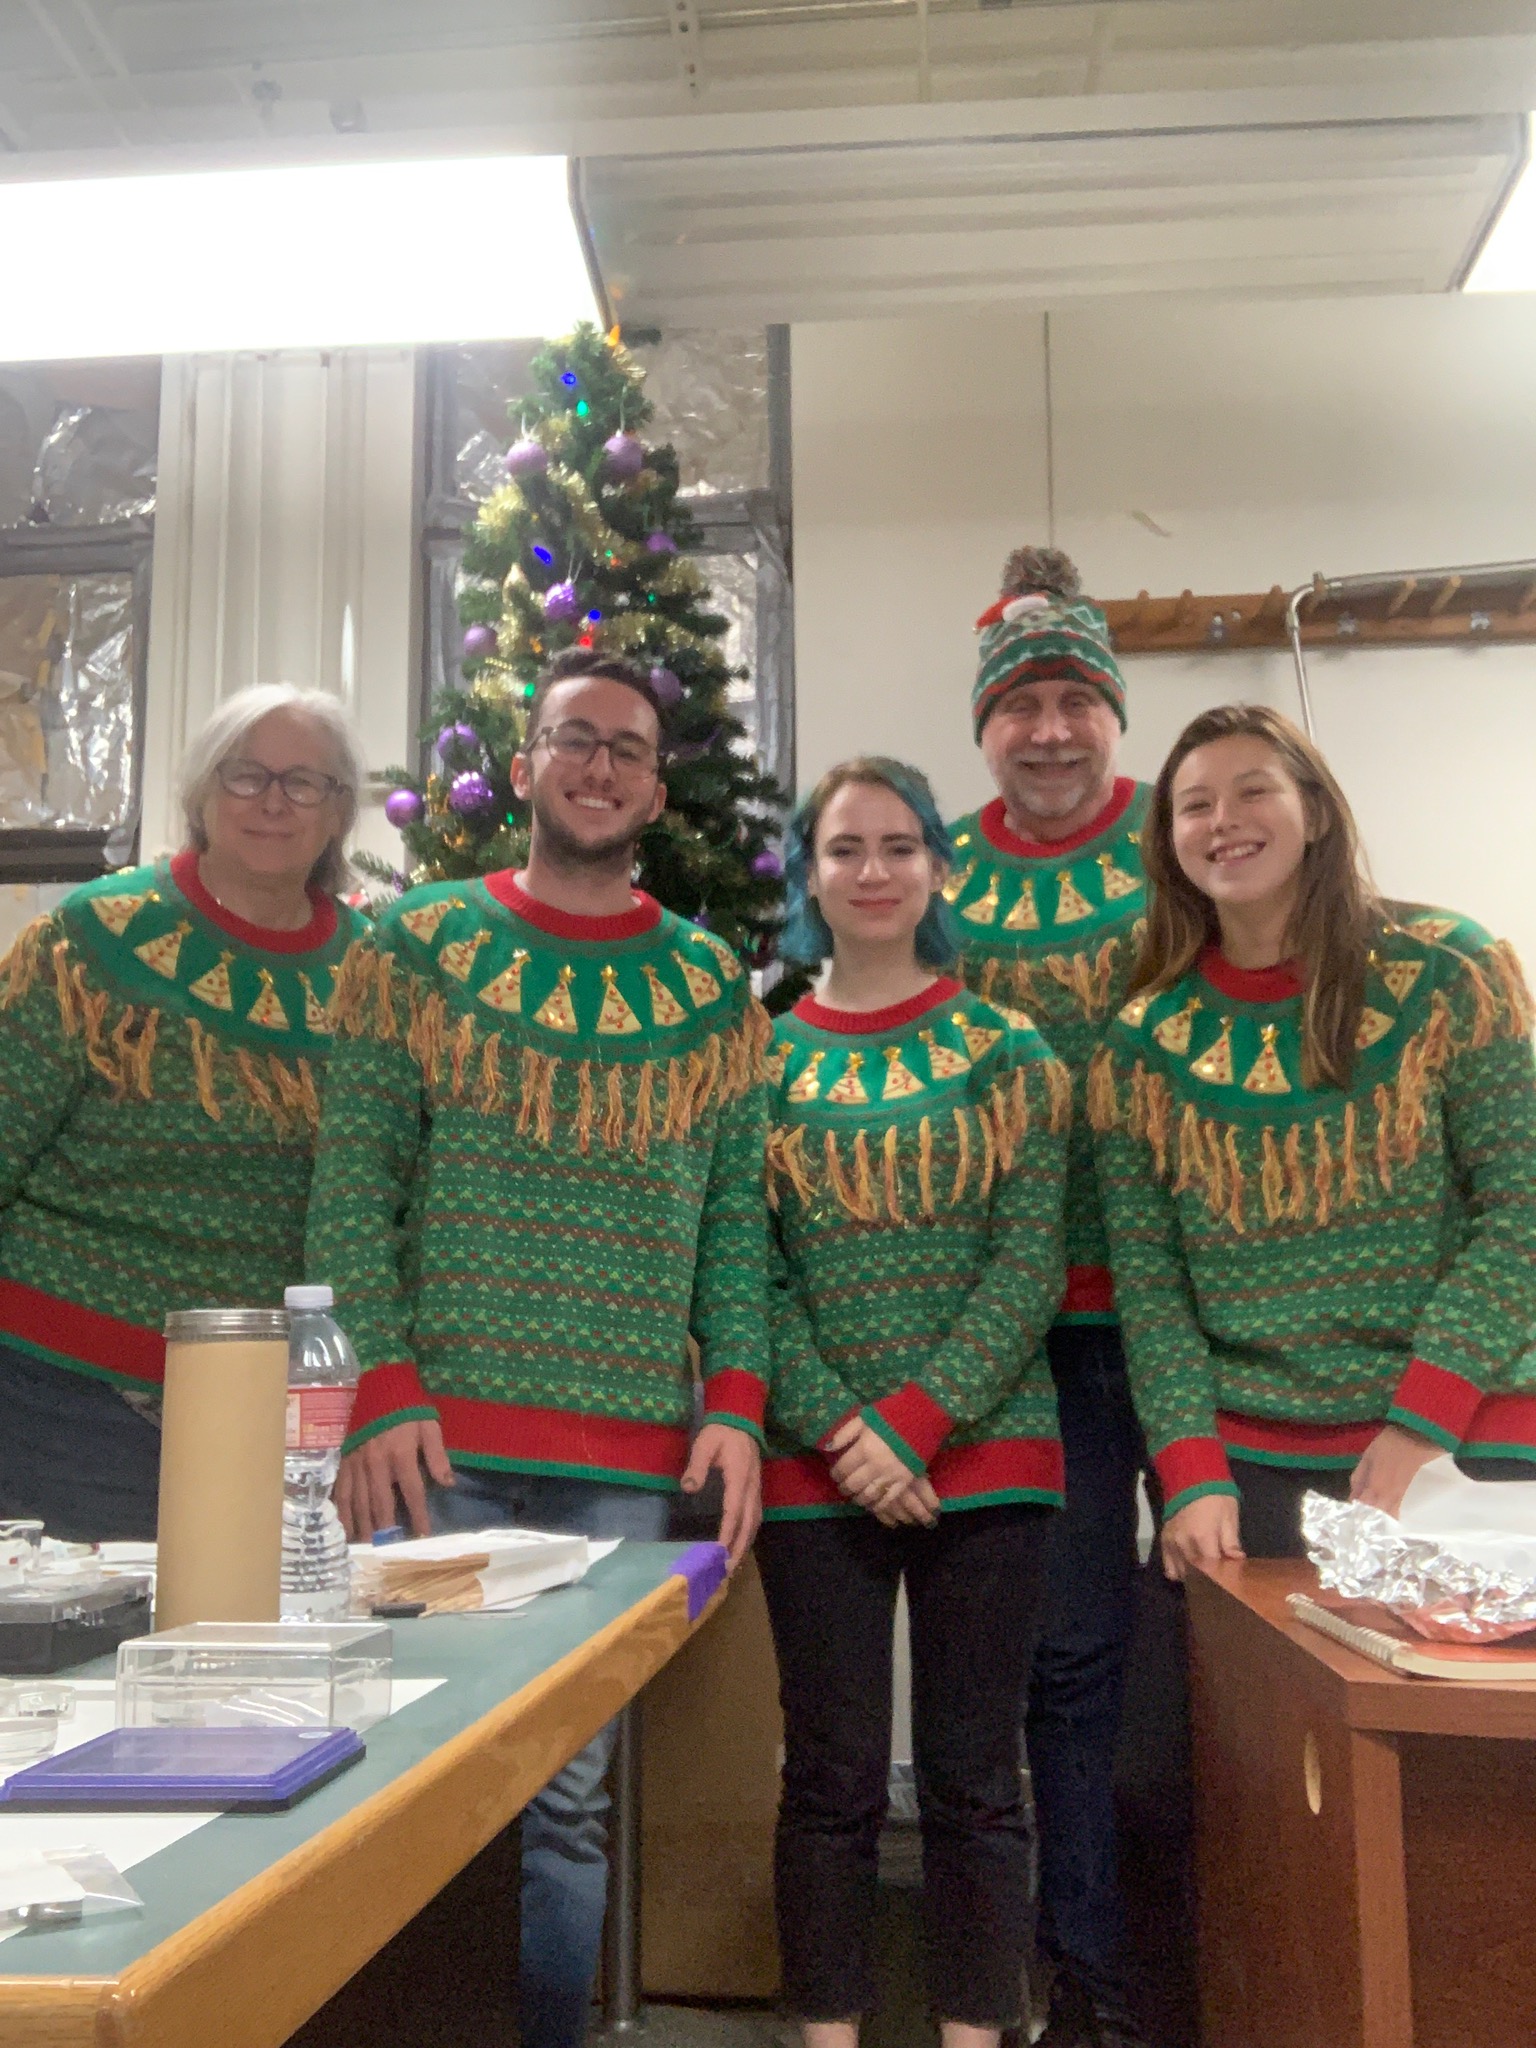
1049 890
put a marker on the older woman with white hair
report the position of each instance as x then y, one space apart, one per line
163 1041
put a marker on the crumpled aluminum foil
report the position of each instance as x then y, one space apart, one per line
1443 1595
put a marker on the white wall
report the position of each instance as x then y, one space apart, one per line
1269 441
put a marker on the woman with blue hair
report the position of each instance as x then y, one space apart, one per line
915 1171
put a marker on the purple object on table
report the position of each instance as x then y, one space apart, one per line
703 1566
198 1767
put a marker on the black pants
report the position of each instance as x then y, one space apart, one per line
971 1592
74 1454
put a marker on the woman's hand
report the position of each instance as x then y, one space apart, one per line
865 1468
1203 1533
1389 1461
918 1505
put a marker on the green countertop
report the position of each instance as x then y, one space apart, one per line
483 1660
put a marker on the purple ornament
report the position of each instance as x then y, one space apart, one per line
469 792
768 865
403 807
623 457
526 457
561 604
660 544
479 641
668 689
455 739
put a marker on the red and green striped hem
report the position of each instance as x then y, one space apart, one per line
1504 1426
1190 1468
509 1437
1435 1403
1026 1469
1089 1297
739 1400
80 1339
911 1422
1313 1446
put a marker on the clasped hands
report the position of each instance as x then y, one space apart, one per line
867 1471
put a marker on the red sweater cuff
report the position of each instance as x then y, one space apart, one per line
1192 1466
1436 1403
388 1394
735 1395
916 1418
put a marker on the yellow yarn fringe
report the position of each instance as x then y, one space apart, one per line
1306 1176
123 1052
613 1105
987 1140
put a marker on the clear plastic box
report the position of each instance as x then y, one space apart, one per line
256 1674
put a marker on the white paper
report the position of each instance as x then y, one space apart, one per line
1486 1522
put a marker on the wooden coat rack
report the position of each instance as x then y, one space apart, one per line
1479 602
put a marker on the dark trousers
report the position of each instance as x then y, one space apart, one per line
74 1454
1077 1686
831 1586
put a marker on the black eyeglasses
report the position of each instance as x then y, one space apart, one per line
305 787
577 742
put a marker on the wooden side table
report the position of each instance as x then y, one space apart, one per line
1366 1843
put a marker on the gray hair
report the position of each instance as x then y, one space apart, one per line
231 724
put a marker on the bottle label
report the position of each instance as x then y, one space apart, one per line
318 1417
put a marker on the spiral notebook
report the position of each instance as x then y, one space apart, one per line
1387 1641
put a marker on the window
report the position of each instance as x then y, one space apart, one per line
77 498
722 400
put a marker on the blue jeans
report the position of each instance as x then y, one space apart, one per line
1077 1687
74 1454
565 1832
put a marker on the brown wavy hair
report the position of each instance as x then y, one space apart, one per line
1338 912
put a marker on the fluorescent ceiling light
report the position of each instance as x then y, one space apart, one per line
332 255
1507 260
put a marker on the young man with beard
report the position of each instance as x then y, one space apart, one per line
540 1170
1049 890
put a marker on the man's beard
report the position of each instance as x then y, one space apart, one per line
1054 799
562 849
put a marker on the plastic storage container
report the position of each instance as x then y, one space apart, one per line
289 1674
47 1627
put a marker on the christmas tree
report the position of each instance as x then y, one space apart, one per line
585 545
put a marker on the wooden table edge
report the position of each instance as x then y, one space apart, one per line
492 1767
1372 1700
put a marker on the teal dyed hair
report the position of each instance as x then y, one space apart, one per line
807 937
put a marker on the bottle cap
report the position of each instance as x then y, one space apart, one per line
308 1297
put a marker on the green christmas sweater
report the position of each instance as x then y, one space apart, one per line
1052 926
160 1063
1296 1266
916 1158
540 1171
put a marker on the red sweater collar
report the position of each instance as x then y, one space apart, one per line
994 823
865 1023
1251 984
318 932
568 924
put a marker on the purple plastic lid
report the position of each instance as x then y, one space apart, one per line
186 1767
703 1566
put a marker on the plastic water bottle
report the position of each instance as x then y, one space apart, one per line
322 1379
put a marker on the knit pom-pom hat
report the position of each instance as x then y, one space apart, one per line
1042 625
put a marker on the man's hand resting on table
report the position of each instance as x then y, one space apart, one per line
385 1465
734 1454
1203 1533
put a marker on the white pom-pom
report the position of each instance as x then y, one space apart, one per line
1017 607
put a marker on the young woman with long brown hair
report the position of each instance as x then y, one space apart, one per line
1316 1139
